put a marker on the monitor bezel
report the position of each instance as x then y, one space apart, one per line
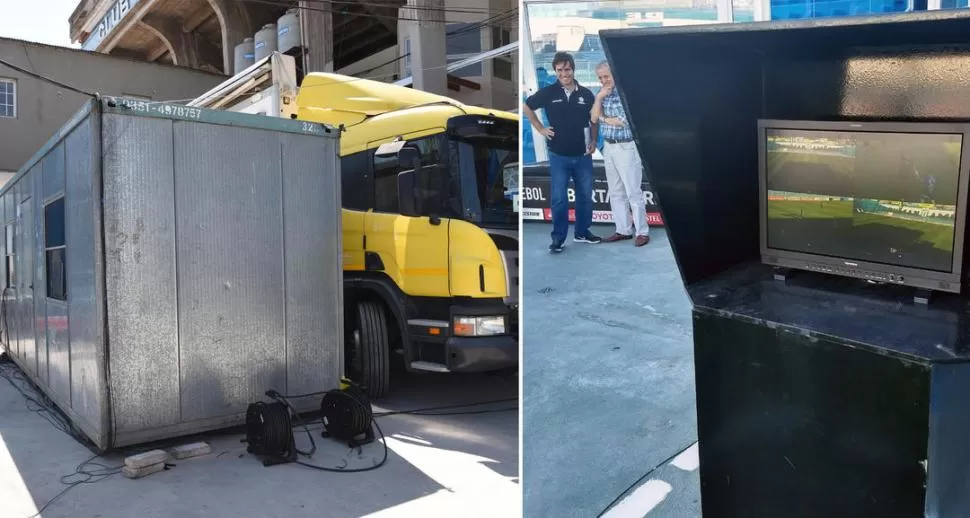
916 277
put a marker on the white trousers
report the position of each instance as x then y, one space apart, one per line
624 174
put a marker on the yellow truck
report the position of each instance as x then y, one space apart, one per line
430 221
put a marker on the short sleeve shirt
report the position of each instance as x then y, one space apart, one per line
568 116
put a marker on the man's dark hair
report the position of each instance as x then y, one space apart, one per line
563 57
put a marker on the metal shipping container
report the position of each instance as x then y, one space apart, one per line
166 265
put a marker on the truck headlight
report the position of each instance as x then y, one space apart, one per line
479 326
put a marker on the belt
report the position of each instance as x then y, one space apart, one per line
615 141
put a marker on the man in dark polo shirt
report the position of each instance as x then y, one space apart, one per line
567 105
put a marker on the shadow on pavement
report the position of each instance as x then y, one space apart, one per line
608 384
435 465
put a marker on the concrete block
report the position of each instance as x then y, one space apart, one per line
148 458
186 451
144 471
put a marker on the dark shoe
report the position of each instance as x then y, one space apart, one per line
588 238
555 247
617 237
641 240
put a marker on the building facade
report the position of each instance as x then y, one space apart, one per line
557 25
380 39
32 110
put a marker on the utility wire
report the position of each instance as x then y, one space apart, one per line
341 3
42 77
362 15
473 27
349 80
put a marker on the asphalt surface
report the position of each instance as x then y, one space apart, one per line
454 465
608 380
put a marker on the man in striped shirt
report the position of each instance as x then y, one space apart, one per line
624 171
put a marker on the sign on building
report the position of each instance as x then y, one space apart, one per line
108 23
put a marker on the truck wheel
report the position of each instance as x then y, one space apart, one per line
372 349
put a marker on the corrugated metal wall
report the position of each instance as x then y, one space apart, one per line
59 343
221 264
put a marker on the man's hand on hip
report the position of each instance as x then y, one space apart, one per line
547 132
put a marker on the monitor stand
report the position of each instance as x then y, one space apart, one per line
922 296
782 274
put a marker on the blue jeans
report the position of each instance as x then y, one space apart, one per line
580 169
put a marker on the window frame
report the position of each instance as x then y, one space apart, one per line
10 255
61 249
356 181
13 84
500 38
440 150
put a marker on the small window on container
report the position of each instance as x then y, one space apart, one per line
9 259
55 244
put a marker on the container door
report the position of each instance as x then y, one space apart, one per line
25 284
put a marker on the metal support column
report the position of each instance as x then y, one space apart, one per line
427 35
317 33
531 82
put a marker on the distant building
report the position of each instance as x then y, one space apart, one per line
385 40
32 110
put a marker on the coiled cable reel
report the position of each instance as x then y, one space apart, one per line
347 415
269 433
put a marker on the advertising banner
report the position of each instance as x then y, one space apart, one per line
534 194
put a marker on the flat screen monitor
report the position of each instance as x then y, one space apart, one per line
881 201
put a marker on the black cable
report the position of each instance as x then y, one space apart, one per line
44 78
445 407
43 405
354 470
277 430
463 412
93 476
313 445
641 479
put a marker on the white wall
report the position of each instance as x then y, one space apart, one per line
5 177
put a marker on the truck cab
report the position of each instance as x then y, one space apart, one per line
429 191
430 228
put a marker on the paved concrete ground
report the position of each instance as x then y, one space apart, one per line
608 385
459 465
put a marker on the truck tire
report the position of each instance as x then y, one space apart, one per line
373 350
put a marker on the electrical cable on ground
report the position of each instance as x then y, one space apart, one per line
93 476
445 407
91 472
345 413
641 479
38 402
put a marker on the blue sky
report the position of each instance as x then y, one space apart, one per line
43 21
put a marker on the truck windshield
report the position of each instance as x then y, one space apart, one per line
485 149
